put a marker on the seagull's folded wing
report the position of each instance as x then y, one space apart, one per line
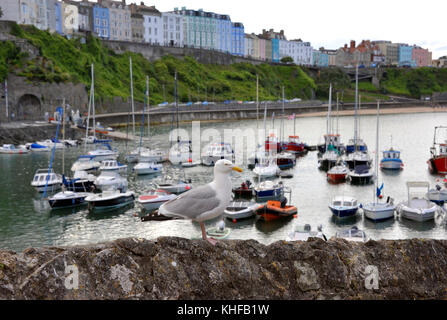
192 203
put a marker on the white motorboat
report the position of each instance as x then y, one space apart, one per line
82 181
238 210
329 159
67 199
378 210
269 190
353 234
357 158
35 147
71 143
143 168
85 163
174 186
104 152
50 144
337 173
153 199
344 206
217 151
152 155
111 180
266 168
132 157
11 149
437 195
112 165
180 152
109 199
361 175
417 207
304 232
45 179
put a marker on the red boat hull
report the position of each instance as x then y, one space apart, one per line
336 177
438 165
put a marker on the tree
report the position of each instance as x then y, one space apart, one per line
287 60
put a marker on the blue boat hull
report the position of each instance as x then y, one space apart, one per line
344 213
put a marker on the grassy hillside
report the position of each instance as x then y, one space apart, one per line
69 60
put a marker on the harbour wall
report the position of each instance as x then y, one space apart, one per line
160 115
177 268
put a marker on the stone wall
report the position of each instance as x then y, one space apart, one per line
176 268
29 100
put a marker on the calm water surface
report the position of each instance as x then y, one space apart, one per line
25 220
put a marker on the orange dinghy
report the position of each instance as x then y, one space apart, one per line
274 210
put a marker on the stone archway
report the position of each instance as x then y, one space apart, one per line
28 107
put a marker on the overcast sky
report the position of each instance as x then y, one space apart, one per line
332 23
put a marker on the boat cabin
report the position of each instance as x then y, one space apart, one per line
443 149
344 202
391 154
41 175
332 139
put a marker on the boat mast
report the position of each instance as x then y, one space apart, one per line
176 105
148 104
88 114
282 118
93 103
355 105
337 116
377 155
63 136
257 102
131 96
328 126
358 118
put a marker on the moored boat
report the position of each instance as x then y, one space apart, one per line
361 175
109 199
353 234
304 232
417 207
68 199
391 160
45 179
11 149
337 173
344 206
276 209
238 210
153 199
245 190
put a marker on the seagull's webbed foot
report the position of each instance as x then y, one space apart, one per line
204 236
211 240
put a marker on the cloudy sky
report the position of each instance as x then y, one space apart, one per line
332 23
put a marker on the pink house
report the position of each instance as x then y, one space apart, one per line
421 56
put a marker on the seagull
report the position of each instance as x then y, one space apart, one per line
205 202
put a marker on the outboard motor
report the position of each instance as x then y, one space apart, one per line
283 202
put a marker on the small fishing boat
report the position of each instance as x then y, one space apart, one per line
104 152
68 199
353 234
11 149
437 195
356 145
51 144
304 232
245 190
85 163
417 207
275 209
133 155
111 180
156 216
357 158
391 160
112 165
437 164
238 210
152 155
174 186
218 232
337 173
40 182
329 159
269 190
143 168
361 175
344 206
80 182
109 199
217 151
295 146
331 140
285 160
153 199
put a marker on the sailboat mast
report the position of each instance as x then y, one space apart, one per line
148 114
93 101
176 102
257 102
63 136
337 115
358 118
355 105
131 96
377 153
282 118
88 116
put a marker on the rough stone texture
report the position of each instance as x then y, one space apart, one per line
176 268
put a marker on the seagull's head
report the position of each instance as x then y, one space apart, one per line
225 166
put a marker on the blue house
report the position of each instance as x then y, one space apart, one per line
101 22
275 50
406 56
58 16
320 59
237 39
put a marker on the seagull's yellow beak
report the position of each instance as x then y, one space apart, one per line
237 169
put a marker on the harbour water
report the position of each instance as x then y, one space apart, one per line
26 220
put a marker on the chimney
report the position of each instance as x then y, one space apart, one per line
352 44
141 3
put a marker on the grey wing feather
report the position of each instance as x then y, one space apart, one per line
192 203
